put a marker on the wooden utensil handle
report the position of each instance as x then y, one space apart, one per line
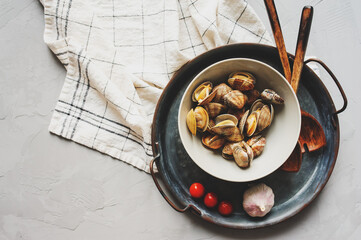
302 40
277 33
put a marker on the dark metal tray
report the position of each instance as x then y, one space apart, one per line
293 191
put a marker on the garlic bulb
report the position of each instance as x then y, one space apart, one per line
258 200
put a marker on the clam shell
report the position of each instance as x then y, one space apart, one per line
258 104
226 116
225 128
242 81
235 99
236 136
240 157
249 151
243 154
191 122
208 99
265 117
225 124
213 141
220 91
253 140
215 109
242 121
202 118
227 151
257 143
202 94
251 123
271 96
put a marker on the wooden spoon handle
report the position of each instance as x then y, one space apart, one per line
277 33
302 40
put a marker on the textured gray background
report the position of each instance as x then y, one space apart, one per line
51 188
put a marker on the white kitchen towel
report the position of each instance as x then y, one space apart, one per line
120 54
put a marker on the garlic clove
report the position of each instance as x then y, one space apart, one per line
258 200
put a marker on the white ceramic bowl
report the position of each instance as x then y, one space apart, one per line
281 136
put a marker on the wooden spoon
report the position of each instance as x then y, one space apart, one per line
278 36
312 133
302 41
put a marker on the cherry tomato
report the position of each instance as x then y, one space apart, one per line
225 208
196 190
210 200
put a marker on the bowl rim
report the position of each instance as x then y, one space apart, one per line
230 60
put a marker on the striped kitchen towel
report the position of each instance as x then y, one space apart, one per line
120 54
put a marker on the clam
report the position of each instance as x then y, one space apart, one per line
251 123
213 141
203 93
191 122
236 135
257 105
197 119
226 116
257 144
260 117
220 91
243 154
242 81
264 118
215 109
271 96
227 151
235 99
266 112
225 125
225 128
242 121
202 118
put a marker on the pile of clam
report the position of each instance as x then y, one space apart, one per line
233 116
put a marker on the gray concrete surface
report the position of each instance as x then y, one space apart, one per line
51 188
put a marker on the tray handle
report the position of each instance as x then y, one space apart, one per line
328 70
175 207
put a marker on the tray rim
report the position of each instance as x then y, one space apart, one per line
320 187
